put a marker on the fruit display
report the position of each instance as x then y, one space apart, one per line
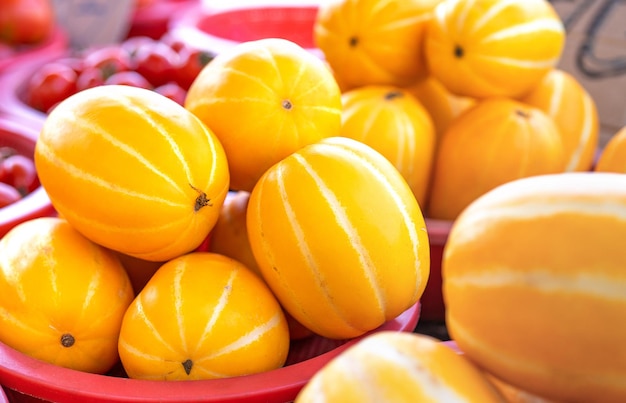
267 220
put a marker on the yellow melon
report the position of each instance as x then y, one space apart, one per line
485 48
339 237
613 157
393 122
574 112
133 171
399 367
535 286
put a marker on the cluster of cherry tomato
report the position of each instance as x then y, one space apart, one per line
18 176
165 65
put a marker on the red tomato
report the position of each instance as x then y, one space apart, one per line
8 194
26 21
19 172
90 77
156 62
173 91
131 78
192 61
49 85
110 59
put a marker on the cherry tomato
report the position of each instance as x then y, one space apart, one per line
19 172
192 61
131 78
156 62
49 85
173 91
8 194
89 77
110 59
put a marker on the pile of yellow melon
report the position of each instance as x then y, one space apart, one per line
533 270
139 182
311 181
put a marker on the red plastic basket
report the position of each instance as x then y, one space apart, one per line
433 306
29 380
36 204
219 29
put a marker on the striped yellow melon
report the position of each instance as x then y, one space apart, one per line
613 157
495 141
483 48
561 97
264 99
203 316
399 367
535 285
133 171
374 41
393 122
339 237
62 297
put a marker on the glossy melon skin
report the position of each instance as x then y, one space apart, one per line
62 297
534 284
203 316
376 42
613 157
339 237
133 171
486 48
495 141
399 367
560 96
393 122
265 99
